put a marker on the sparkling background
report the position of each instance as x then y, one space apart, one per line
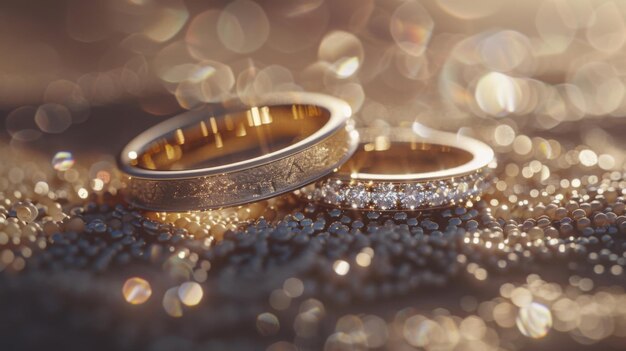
537 263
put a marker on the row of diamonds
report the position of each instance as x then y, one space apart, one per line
392 196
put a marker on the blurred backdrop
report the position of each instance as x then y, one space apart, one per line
89 75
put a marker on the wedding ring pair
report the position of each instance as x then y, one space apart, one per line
237 153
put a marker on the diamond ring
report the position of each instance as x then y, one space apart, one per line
238 153
408 169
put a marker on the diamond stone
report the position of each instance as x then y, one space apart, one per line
409 196
412 196
437 194
333 193
316 194
385 196
357 196
458 192
479 186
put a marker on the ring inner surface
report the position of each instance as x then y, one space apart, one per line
400 158
233 137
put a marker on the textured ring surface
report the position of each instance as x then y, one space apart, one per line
270 173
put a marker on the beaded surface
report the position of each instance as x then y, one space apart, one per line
534 263
495 273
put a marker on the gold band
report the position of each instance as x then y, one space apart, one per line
408 169
222 156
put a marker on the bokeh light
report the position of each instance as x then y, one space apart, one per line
190 293
243 26
62 161
136 291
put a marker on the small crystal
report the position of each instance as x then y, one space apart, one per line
333 193
385 196
458 192
437 194
358 196
479 186
412 196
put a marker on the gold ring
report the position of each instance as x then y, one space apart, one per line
238 153
408 169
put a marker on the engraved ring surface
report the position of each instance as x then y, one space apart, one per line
413 168
238 153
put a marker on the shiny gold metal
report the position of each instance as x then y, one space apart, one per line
409 168
235 153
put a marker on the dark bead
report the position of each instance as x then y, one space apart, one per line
116 234
163 237
281 234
